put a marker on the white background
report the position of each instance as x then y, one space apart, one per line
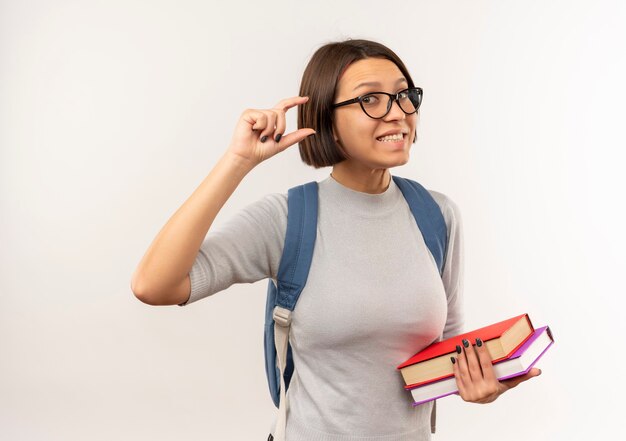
112 112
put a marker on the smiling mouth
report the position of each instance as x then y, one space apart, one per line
393 139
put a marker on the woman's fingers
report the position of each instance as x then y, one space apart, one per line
260 133
269 126
294 137
475 375
256 118
463 368
512 382
272 122
281 124
281 109
474 386
484 358
288 103
457 376
473 366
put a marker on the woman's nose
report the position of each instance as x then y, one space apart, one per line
395 112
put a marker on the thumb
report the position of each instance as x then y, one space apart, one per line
511 383
294 138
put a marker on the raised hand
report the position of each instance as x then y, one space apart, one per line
475 376
259 133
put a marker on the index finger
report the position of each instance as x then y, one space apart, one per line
473 363
485 360
288 103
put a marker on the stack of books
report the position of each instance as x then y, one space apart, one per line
514 346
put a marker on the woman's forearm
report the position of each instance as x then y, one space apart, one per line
162 276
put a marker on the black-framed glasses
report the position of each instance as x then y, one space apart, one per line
377 105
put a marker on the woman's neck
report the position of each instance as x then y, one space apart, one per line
360 179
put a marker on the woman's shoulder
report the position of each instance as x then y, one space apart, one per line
449 208
272 207
275 202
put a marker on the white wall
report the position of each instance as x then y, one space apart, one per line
111 113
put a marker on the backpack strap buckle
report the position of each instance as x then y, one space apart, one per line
282 317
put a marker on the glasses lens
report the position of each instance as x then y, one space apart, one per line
376 105
410 100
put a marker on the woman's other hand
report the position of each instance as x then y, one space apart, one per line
475 377
260 133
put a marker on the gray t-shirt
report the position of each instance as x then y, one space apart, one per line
373 298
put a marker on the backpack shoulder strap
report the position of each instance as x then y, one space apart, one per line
428 216
302 203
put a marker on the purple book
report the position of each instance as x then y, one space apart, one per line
520 362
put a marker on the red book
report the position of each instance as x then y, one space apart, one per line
433 363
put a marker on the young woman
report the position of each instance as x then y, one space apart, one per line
373 296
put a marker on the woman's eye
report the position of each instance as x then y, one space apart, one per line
370 99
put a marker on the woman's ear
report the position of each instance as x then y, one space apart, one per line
335 137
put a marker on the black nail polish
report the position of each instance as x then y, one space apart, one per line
453 360
458 349
278 137
465 343
479 342
263 138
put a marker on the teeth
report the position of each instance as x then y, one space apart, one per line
396 137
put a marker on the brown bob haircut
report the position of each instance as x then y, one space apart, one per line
319 83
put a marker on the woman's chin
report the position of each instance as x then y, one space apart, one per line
397 159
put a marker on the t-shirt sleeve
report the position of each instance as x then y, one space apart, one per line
245 249
453 267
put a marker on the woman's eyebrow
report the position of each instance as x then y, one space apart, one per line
376 83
